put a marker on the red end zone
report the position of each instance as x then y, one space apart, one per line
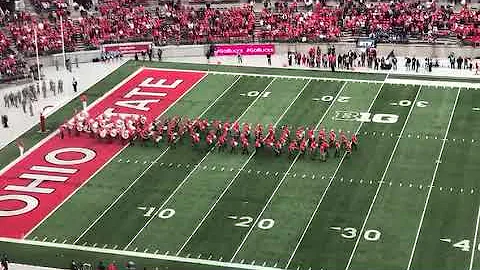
38 183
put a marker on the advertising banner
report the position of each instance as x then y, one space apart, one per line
244 49
127 48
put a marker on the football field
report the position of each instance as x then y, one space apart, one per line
407 198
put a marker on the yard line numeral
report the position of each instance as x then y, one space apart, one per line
164 214
351 233
339 99
463 245
256 93
266 224
246 221
408 103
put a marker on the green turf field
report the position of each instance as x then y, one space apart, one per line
406 199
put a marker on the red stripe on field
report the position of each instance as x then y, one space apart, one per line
16 226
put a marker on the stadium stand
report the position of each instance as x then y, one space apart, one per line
115 21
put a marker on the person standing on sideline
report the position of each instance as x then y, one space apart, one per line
159 54
239 58
44 89
269 59
60 86
101 266
4 262
83 99
112 266
30 107
24 105
20 146
74 84
5 121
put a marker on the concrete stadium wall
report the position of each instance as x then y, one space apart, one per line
435 51
401 50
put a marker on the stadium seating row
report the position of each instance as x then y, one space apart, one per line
125 20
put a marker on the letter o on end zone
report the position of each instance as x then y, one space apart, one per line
30 204
87 156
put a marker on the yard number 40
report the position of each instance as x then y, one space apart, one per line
464 245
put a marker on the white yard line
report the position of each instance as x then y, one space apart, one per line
255 101
474 247
214 204
328 186
106 163
236 175
412 106
432 182
291 104
220 96
121 195
136 254
191 172
283 179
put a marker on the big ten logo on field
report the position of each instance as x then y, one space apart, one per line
382 118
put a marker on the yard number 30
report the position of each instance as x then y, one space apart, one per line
369 235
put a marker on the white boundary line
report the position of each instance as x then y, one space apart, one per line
115 88
237 174
136 254
433 181
277 76
191 172
283 179
412 106
61 105
475 240
441 83
328 186
131 76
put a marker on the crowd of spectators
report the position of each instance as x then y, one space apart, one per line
386 21
173 23
48 34
129 20
284 23
10 66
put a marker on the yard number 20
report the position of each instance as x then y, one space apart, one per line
263 224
